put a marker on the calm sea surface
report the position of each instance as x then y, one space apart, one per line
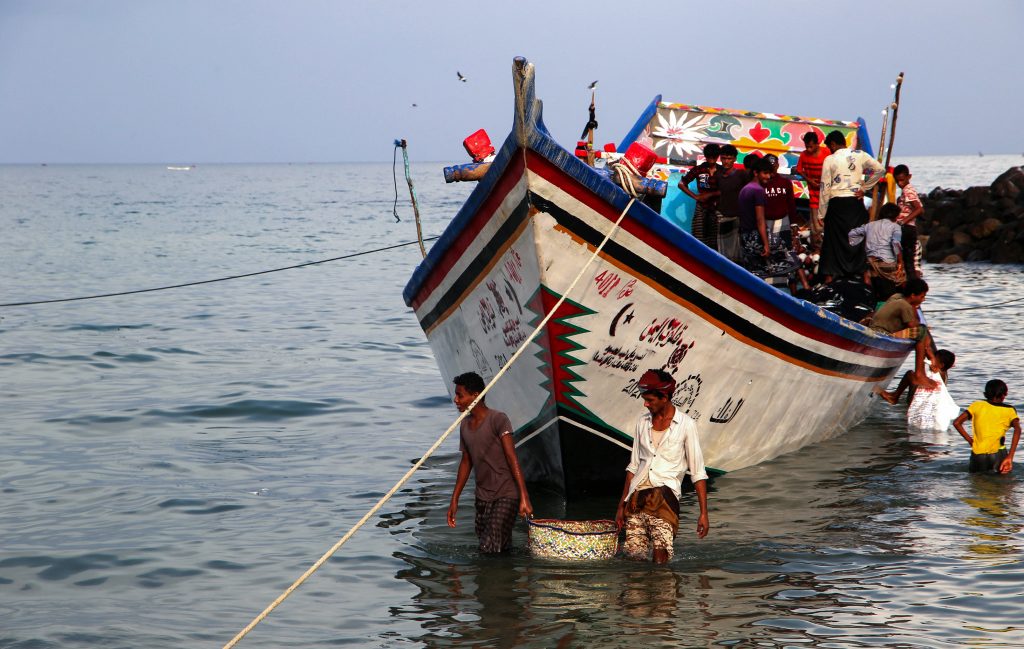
171 461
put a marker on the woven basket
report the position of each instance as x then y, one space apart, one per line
573 540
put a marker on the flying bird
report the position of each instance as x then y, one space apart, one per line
461 78
414 105
593 85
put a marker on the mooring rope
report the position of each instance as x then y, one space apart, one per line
408 474
973 308
219 279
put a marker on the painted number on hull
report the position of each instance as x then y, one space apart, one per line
607 282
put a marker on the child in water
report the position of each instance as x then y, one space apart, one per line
989 421
945 358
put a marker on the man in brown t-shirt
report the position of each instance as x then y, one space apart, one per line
898 318
488 450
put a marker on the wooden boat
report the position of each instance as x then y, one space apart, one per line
761 372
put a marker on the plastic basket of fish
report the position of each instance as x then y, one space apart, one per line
572 540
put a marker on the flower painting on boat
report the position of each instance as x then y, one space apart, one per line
678 135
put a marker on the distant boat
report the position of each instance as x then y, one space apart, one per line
188 168
762 372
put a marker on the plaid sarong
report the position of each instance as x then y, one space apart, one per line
912 333
493 522
889 270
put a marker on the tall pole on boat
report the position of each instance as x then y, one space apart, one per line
881 152
588 130
412 194
892 109
895 111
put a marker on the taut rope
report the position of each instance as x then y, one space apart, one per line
398 485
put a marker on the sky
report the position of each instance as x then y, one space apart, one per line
205 81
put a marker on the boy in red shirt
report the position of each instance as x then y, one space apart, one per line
809 166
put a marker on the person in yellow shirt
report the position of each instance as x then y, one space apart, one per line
990 420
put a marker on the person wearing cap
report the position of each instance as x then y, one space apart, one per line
665 449
781 226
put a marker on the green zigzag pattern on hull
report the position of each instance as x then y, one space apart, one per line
557 347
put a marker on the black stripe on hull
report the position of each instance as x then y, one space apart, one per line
715 310
479 263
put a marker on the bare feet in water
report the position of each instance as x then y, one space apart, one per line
888 396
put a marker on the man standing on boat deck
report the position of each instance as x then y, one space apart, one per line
665 449
485 439
845 176
705 212
809 166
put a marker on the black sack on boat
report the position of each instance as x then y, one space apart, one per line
850 298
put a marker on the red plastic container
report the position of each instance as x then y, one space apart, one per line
641 156
478 145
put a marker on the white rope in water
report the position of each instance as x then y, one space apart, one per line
398 485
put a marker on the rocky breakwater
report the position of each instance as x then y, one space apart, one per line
975 224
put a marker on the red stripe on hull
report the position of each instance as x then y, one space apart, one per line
510 177
551 173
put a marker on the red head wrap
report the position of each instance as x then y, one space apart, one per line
653 381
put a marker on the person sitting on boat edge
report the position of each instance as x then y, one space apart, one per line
929 410
843 184
898 318
489 452
946 359
882 244
990 420
665 449
705 212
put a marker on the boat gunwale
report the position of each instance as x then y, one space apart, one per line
537 139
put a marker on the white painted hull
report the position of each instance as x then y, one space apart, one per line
761 373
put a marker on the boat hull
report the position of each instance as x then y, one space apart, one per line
760 372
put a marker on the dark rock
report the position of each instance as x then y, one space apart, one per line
1012 177
986 228
976 196
976 224
1007 253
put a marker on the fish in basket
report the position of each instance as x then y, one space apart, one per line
551 538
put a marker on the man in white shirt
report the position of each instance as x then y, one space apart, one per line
665 448
845 176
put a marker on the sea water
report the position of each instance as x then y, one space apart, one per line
171 461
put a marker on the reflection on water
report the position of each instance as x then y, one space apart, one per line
995 523
874 538
171 462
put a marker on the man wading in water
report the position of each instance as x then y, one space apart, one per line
485 439
665 448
